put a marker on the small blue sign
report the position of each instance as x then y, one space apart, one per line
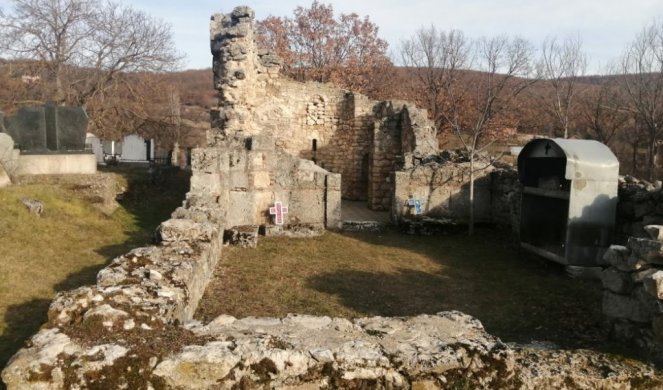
416 204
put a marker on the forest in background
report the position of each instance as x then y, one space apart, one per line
479 91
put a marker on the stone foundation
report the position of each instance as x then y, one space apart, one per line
56 164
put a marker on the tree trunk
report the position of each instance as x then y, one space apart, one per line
471 227
59 89
634 160
651 158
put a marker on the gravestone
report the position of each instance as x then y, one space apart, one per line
28 128
48 128
71 126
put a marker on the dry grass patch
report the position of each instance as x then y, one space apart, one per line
66 246
517 297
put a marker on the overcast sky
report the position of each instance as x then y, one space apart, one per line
606 26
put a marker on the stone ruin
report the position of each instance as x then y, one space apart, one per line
342 132
134 328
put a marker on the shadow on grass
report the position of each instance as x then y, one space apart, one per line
22 321
518 297
148 203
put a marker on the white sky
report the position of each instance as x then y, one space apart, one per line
606 26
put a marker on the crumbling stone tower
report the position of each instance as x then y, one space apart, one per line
342 132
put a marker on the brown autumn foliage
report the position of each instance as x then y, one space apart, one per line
315 45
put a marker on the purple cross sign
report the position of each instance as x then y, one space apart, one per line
279 212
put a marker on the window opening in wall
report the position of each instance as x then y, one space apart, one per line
315 145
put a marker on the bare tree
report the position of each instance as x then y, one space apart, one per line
642 69
436 58
317 45
603 110
470 87
562 63
479 114
85 44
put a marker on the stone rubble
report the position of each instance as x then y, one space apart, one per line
34 206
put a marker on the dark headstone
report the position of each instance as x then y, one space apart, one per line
51 127
28 128
71 128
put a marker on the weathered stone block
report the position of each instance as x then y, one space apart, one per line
186 230
206 183
261 180
262 142
616 281
639 276
257 161
205 160
657 328
642 209
649 251
241 236
653 284
238 181
655 232
627 307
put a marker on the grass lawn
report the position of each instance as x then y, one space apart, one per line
516 296
67 246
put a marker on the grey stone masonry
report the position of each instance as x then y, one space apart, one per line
633 292
341 131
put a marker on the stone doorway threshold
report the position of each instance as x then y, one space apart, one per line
357 216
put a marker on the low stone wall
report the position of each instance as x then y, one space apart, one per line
633 291
126 319
506 195
56 164
640 204
442 191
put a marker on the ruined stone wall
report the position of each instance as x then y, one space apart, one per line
640 204
353 135
443 190
506 195
633 291
243 178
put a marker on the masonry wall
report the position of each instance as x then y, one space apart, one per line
341 131
247 176
443 190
